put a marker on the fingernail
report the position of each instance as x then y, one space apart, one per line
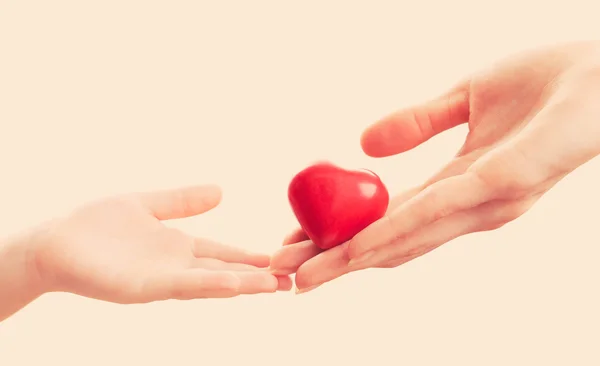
363 258
305 290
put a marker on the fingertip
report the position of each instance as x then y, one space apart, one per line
181 202
199 199
410 127
391 135
285 283
273 284
213 194
306 276
258 282
277 265
303 279
368 141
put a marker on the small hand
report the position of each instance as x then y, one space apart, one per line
118 250
532 119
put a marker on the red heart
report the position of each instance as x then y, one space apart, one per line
332 204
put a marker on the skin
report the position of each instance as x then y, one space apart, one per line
117 249
533 118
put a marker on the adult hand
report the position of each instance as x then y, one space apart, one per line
533 119
118 250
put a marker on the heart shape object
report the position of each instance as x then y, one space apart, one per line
332 204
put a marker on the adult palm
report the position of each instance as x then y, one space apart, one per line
533 118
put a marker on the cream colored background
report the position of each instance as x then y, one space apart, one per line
111 96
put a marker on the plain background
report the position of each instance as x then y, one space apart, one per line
103 97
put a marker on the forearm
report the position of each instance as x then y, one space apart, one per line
19 285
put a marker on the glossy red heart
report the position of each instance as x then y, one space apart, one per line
332 204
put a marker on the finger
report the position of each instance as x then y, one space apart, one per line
411 127
202 283
290 257
329 265
324 267
423 241
204 248
216 264
284 281
295 237
181 202
440 199
488 216
191 284
340 270
258 282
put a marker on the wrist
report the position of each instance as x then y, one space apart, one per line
35 244
20 280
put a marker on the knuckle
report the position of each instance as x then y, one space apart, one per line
395 227
432 204
423 121
184 203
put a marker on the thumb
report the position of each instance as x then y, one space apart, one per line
408 128
181 202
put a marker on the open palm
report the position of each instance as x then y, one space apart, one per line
118 250
532 120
